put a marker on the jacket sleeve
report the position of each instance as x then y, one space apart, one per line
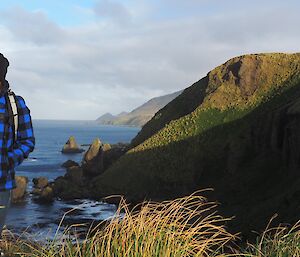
25 141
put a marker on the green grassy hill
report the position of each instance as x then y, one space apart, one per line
236 130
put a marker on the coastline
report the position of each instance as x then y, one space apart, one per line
46 161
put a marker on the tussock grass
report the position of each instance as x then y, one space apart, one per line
183 227
280 241
187 226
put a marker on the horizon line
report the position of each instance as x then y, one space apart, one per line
62 119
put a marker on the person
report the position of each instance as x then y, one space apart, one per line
12 150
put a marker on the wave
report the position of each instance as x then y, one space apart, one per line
33 159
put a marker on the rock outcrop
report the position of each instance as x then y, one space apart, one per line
18 194
40 182
69 163
106 147
92 163
67 190
74 174
46 195
71 146
113 154
74 184
42 191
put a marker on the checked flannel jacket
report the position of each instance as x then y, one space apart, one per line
12 155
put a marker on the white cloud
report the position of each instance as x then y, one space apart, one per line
117 63
32 26
114 11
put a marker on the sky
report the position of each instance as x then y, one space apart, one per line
76 60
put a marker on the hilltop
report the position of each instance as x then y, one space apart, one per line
106 119
236 130
140 115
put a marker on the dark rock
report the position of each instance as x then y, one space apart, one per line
75 174
60 184
113 154
47 195
69 163
72 185
18 194
40 182
44 196
36 191
68 190
71 146
75 183
92 163
52 183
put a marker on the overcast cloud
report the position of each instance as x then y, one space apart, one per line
127 52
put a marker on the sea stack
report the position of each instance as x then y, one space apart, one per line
71 146
92 162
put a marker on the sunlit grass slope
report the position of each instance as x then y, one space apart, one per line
241 83
177 145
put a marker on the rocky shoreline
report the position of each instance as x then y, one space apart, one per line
75 184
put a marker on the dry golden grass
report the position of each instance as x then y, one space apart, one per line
187 226
280 241
183 227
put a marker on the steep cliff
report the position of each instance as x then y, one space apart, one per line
236 130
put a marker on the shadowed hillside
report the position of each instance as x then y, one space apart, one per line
236 130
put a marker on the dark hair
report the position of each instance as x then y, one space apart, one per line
4 63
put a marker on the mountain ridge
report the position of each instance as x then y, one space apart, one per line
140 115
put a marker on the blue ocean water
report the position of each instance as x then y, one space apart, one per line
46 160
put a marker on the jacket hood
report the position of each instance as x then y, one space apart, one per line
5 88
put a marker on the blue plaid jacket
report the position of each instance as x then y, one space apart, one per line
12 155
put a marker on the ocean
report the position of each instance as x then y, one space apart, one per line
46 160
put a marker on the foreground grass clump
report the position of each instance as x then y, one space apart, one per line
183 227
277 242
